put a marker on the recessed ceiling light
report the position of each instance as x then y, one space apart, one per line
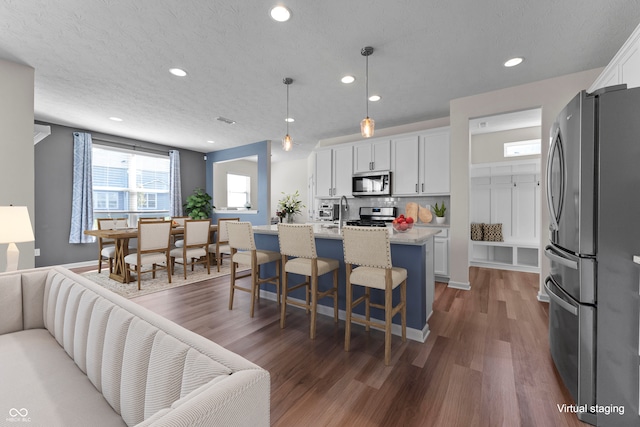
280 13
513 62
115 119
348 79
290 119
178 72
211 141
374 98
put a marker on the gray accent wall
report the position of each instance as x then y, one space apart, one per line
53 184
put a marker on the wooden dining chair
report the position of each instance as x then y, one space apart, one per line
297 240
244 252
370 250
154 245
222 241
178 221
106 247
195 248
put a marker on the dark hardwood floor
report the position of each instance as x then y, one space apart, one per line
486 361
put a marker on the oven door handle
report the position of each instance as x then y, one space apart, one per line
558 300
554 256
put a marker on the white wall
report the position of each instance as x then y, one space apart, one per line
16 143
287 177
551 95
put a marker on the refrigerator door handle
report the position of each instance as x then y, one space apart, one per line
552 211
558 300
553 256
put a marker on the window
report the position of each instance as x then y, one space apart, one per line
238 190
105 200
129 183
522 148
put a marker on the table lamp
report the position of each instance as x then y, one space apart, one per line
15 227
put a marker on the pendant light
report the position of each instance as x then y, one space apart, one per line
368 124
287 143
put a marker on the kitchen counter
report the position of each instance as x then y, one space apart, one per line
413 250
416 236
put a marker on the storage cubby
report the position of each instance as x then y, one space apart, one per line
507 193
506 255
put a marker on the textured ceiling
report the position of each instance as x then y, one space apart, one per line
100 58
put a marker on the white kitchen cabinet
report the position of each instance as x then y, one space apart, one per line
441 254
421 163
324 173
405 165
624 67
333 172
435 163
372 156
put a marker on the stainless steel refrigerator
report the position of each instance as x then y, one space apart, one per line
593 193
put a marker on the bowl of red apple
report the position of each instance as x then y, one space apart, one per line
402 224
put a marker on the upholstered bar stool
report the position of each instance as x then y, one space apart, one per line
244 252
369 248
297 240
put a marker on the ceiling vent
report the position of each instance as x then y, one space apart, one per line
225 120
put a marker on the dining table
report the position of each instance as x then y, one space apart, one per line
121 237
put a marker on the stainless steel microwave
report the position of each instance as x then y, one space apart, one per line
371 184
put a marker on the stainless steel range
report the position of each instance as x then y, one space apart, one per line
374 217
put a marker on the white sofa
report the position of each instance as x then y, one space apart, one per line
75 354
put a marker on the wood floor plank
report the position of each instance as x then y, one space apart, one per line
486 361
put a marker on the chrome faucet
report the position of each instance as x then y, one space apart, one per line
346 208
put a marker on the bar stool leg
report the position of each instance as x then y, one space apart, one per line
278 280
254 287
233 283
388 313
367 308
283 313
347 325
314 305
335 296
403 297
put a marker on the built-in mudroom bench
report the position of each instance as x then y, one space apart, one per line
505 215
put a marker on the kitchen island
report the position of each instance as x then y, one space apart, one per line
412 250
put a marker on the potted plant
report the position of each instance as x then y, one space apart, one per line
198 205
439 211
290 205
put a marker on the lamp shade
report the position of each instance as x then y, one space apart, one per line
15 225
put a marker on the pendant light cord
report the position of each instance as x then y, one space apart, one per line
366 81
287 118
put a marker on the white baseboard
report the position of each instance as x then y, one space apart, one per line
412 334
82 264
465 286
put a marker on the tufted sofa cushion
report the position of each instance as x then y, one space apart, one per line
145 369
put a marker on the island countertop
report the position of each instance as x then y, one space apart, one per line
415 236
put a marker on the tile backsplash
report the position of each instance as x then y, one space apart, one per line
356 203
